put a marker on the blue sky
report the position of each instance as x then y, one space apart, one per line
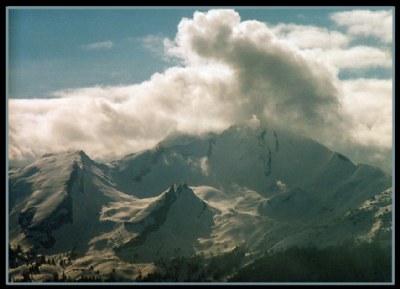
48 48
136 75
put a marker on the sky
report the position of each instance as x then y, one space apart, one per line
113 81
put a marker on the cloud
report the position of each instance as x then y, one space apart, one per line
109 122
281 185
154 43
231 71
308 36
335 49
356 57
271 79
364 23
369 103
99 45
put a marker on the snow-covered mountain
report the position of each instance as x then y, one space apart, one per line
258 187
57 196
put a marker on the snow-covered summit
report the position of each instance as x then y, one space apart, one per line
254 157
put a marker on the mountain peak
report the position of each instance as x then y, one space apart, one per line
85 159
80 153
179 189
70 156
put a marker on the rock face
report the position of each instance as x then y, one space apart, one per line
256 186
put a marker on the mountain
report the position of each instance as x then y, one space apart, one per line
260 188
59 195
158 227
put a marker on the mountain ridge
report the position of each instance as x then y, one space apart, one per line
261 187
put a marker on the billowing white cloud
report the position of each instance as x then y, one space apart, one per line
366 23
99 45
272 80
232 71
